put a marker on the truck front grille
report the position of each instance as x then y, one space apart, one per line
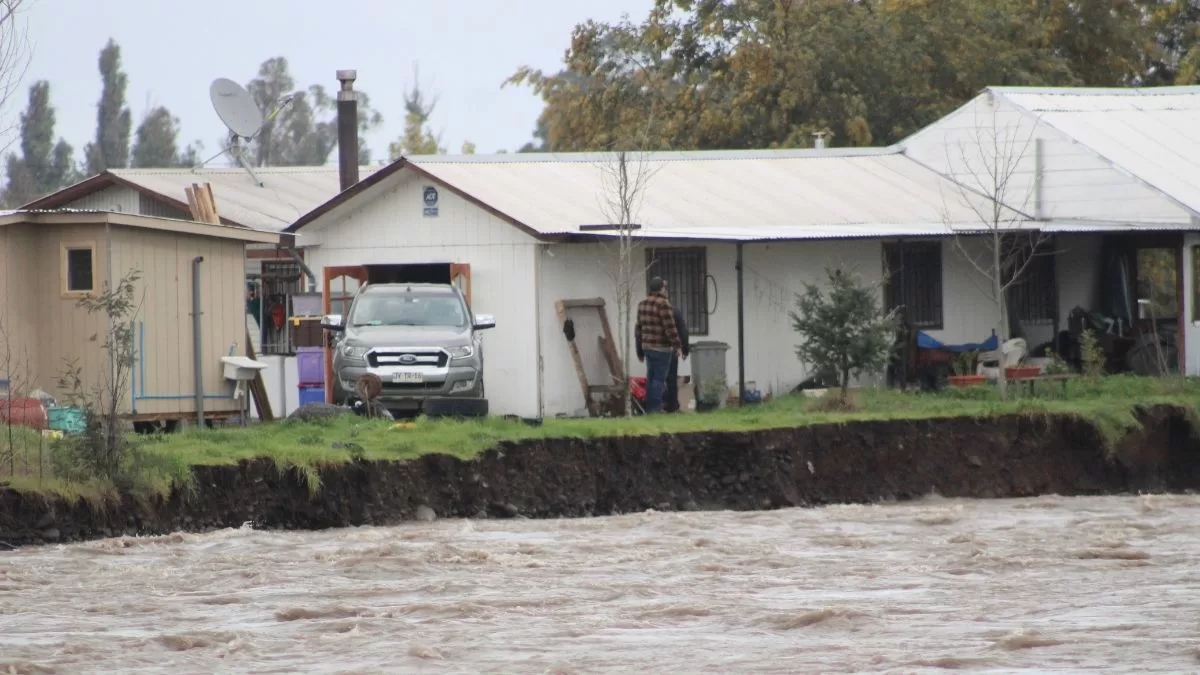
407 357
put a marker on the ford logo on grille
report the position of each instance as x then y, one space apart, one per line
408 359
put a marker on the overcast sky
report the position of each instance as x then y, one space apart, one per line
172 50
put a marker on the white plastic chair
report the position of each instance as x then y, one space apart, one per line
1014 352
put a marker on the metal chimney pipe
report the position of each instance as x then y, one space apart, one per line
347 128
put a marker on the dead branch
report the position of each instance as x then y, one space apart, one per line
15 52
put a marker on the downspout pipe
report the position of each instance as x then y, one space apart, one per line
197 356
741 329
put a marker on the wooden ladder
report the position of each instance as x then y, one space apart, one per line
258 388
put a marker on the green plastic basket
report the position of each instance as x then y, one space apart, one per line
67 420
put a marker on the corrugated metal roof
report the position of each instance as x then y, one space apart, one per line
756 195
1152 133
287 192
162 222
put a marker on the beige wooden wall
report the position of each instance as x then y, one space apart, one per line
46 326
165 261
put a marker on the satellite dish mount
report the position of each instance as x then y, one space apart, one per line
238 111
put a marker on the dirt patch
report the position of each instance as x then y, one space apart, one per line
1012 456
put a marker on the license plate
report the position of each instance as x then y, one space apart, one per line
407 378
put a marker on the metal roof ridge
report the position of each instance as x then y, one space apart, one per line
1166 90
658 156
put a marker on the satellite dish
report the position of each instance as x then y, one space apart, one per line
236 108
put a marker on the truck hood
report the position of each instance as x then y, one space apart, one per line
409 336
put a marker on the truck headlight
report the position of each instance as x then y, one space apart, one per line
354 352
461 352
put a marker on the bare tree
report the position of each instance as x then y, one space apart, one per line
624 179
987 171
105 447
14 59
16 365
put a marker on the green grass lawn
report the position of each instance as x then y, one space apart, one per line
1108 402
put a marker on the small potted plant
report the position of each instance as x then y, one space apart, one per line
964 370
709 394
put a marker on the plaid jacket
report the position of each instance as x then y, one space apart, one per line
656 324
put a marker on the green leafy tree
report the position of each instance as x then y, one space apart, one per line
842 328
468 148
1174 54
771 73
43 165
304 131
417 138
113 121
156 142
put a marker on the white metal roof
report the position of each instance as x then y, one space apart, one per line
287 192
731 195
1152 133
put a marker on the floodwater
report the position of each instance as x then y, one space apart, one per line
1044 584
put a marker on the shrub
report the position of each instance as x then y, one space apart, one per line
843 331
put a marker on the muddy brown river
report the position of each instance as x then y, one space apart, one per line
1083 584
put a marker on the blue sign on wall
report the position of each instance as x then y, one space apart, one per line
430 197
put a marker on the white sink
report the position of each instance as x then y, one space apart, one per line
241 368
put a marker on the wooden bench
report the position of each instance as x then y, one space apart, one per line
1029 383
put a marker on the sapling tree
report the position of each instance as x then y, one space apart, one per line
101 399
625 179
1001 246
842 328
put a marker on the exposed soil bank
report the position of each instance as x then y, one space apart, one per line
999 457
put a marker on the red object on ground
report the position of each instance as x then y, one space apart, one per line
23 412
637 387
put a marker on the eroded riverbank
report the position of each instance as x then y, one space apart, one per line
1008 456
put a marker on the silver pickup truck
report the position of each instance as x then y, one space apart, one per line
420 339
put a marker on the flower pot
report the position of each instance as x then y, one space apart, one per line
1022 372
964 381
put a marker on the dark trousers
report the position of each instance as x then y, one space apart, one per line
671 390
658 362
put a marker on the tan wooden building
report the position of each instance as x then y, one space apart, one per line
50 259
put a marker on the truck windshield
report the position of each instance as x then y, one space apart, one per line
408 309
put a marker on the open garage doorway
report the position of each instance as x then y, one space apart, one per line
341 283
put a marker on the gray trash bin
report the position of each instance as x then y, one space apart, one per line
708 373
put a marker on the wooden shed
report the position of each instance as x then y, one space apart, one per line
51 259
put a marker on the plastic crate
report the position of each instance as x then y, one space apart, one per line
312 395
67 420
310 366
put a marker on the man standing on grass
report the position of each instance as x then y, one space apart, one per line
659 339
671 395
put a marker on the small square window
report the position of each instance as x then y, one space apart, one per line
80 272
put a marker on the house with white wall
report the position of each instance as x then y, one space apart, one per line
530 230
1113 173
1110 177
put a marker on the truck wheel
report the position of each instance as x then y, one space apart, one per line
456 407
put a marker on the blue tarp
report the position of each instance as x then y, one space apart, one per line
926 341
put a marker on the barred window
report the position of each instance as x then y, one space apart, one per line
914 282
1033 298
686 272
